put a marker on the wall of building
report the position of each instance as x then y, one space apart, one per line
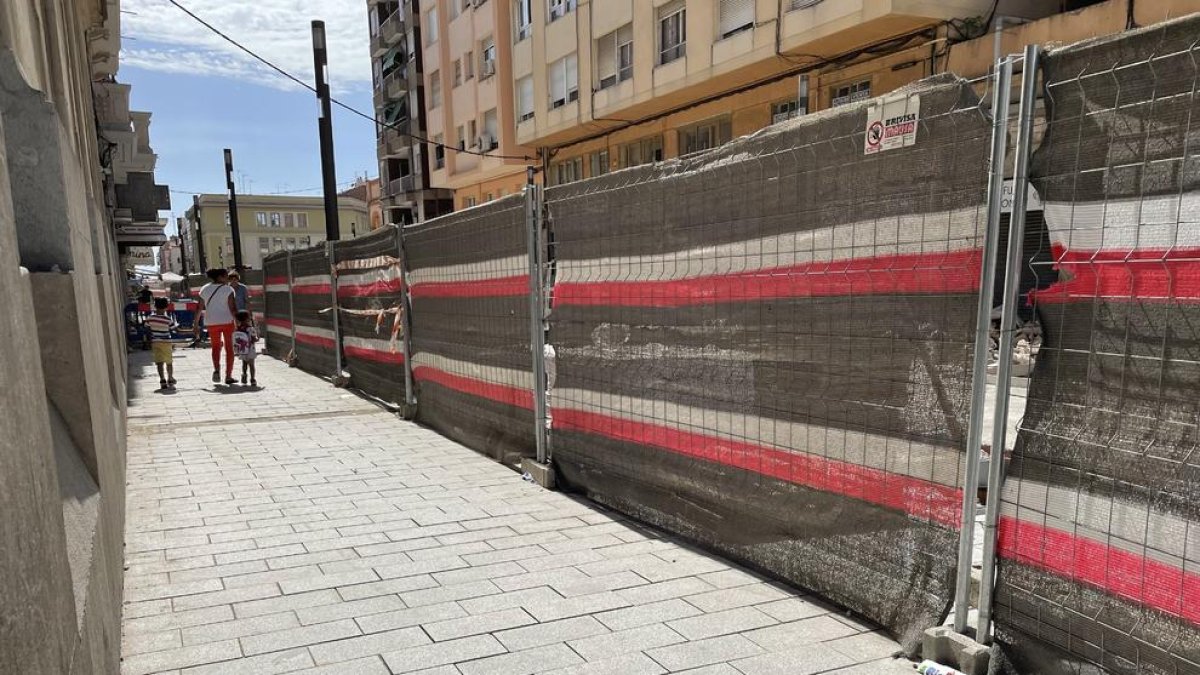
62 431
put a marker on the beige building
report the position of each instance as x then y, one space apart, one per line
266 223
607 84
469 99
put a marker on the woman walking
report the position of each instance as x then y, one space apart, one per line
218 308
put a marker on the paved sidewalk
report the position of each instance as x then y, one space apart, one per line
299 528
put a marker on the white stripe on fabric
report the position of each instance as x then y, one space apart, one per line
933 463
278 288
368 277
1125 524
367 263
316 332
279 329
508 377
497 268
945 231
1164 222
377 344
311 280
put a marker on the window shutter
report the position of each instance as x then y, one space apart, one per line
525 96
606 54
558 90
572 66
735 15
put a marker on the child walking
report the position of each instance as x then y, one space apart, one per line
160 326
244 339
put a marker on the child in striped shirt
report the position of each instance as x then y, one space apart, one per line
160 326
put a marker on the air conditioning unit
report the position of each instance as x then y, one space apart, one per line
485 142
488 69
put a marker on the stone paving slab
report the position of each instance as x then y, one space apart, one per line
298 528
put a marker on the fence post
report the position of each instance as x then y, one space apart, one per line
1008 329
537 334
291 306
1001 85
405 318
331 253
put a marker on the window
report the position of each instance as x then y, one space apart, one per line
264 246
614 57
468 202
564 81
260 218
850 93
525 98
431 26
786 110
599 162
302 220
491 131
567 171
453 9
305 242
462 137
435 89
458 72
736 16
487 197
472 132
487 58
226 217
705 135
439 152
277 244
560 8
276 219
523 15
289 220
672 31
644 151
468 61
291 243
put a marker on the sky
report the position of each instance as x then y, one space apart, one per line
205 95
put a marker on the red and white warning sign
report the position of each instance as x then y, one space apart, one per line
892 123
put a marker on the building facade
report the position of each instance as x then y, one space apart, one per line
369 190
74 176
470 101
405 162
266 223
602 85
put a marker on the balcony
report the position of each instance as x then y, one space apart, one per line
392 144
395 85
402 185
390 32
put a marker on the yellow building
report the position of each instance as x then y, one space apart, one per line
266 223
606 84
469 99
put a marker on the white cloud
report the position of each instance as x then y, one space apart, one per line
166 39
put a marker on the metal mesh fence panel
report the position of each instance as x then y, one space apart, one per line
276 325
369 300
312 300
1099 543
469 285
767 348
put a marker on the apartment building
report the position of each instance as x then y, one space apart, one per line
608 84
470 102
266 223
405 162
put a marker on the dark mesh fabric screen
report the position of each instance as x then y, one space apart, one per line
767 348
312 300
469 280
277 324
369 298
1100 556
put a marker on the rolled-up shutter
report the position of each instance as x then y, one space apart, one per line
736 15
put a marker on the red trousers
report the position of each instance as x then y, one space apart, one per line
222 335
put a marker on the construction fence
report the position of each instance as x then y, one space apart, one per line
773 348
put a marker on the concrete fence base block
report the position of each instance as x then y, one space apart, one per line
945 646
542 474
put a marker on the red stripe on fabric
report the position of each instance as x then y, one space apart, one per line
480 288
925 500
315 340
277 280
312 289
368 289
376 355
1137 274
521 398
926 273
280 323
1124 574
